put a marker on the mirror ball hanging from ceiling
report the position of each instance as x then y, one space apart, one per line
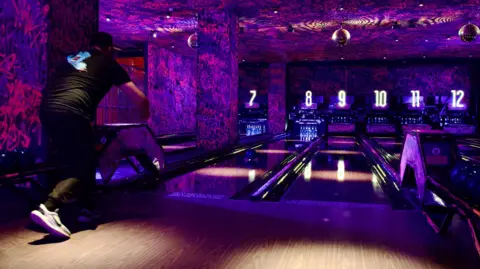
193 41
341 37
469 32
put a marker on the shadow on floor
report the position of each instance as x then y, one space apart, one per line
144 230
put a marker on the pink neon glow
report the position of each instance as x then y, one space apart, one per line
341 142
340 152
346 175
274 151
228 172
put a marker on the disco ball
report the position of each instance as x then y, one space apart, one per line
341 37
469 32
193 41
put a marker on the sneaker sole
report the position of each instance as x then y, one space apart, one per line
41 220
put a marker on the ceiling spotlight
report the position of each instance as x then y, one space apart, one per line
426 40
424 56
290 28
243 60
341 8
154 34
448 38
108 18
275 11
341 58
169 13
384 58
173 46
420 5
396 40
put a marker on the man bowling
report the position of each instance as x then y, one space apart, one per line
67 110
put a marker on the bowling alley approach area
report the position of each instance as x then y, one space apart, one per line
282 134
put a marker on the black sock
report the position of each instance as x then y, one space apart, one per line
51 204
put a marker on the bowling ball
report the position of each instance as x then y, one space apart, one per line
250 155
466 180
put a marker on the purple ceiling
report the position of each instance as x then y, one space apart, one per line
380 29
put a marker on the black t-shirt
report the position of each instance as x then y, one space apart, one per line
81 83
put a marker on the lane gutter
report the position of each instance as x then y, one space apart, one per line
280 182
386 174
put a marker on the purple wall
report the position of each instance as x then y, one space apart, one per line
172 91
253 77
23 71
34 36
361 80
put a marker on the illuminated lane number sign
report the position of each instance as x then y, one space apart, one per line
254 94
415 98
457 97
308 98
342 98
380 98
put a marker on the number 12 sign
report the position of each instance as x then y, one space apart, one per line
457 97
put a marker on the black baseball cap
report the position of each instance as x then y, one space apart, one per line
102 39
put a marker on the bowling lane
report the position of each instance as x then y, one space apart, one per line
470 147
392 144
338 173
226 178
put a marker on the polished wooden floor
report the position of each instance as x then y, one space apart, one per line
146 230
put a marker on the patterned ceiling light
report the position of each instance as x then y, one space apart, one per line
193 41
341 37
469 32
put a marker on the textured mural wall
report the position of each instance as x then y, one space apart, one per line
217 96
23 71
253 77
277 96
34 36
116 107
172 91
361 80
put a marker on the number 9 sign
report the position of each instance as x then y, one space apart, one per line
342 98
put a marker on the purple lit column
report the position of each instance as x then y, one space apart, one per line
217 79
277 98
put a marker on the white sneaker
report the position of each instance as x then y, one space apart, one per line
50 221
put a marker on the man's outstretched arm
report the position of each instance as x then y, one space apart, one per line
138 97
